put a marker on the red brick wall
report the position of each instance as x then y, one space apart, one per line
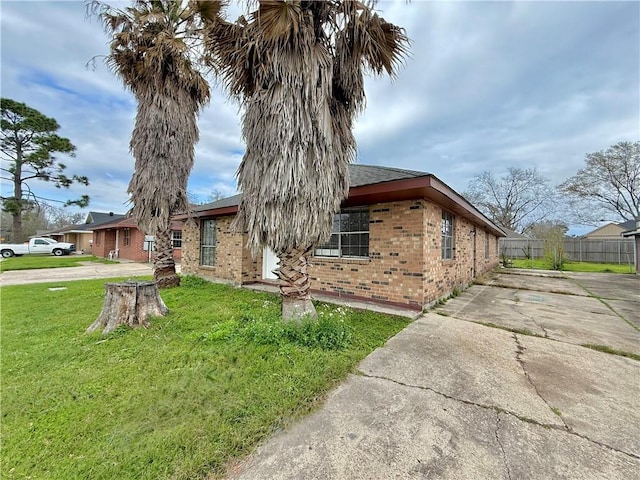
133 251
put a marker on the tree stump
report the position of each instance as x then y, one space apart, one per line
129 303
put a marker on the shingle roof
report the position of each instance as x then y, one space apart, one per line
99 218
628 225
359 175
225 202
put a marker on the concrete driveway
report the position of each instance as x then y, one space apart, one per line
452 398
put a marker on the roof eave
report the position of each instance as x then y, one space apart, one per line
426 187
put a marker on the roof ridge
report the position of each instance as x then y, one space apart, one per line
394 169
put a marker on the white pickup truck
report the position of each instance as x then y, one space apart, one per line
36 246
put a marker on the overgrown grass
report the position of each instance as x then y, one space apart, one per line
30 262
542 264
199 387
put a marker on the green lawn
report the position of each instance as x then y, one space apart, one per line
30 262
176 401
542 264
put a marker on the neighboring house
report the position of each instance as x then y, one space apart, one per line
122 239
635 233
402 237
610 230
513 234
82 234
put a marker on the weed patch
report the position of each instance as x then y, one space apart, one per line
612 351
329 331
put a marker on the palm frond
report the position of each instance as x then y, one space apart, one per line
150 53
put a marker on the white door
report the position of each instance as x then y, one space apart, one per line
269 263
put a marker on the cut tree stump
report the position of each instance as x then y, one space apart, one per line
129 303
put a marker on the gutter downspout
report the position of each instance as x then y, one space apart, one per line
473 253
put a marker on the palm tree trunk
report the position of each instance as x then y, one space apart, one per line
295 285
164 267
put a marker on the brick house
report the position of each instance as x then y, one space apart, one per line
402 237
123 239
82 234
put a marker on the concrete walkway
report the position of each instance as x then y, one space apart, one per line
85 272
450 398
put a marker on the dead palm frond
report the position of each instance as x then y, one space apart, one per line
154 51
298 68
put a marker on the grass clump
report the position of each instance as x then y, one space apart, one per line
31 262
612 351
179 400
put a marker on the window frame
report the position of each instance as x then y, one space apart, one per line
326 249
447 249
127 237
176 238
212 239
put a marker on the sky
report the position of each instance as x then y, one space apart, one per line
488 86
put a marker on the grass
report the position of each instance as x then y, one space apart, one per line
542 264
30 262
612 351
178 400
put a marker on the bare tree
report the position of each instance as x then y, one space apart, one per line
609 183
516 200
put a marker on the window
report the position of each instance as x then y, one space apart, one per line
98 234
176 238
127 237
349 235
40 242
486 244
208 243
447 236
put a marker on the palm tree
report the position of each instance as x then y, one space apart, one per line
154 51
298 69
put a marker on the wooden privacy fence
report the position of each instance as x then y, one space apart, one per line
618 251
